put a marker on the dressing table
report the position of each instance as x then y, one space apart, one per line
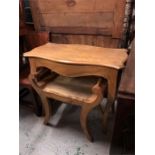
77 61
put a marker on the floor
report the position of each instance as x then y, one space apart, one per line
63 136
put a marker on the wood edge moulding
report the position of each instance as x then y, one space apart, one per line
65 54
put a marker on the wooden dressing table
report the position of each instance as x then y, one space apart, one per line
73 60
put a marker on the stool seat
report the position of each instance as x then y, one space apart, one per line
74 90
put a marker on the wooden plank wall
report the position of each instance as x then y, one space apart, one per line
95 40
92 22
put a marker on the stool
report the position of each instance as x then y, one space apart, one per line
86 92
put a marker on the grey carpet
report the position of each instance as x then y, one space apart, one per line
64 135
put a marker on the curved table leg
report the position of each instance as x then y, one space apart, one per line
83 120
112 84
47 109
46 106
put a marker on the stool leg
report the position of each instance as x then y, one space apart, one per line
37 104
105 116
47 109
83 120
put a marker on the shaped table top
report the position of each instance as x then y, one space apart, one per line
80 54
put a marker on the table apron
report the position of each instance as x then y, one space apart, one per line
76 70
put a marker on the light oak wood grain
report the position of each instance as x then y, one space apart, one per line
84 91
72 61
80 54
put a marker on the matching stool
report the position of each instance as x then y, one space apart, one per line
86 92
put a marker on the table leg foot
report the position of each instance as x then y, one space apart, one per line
47 109
83 120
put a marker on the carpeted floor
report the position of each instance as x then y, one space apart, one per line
64 135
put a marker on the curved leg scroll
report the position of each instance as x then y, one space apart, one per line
83 120
112 85
46 106
47 109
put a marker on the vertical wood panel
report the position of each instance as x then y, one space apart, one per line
70 7
119 12
35 14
